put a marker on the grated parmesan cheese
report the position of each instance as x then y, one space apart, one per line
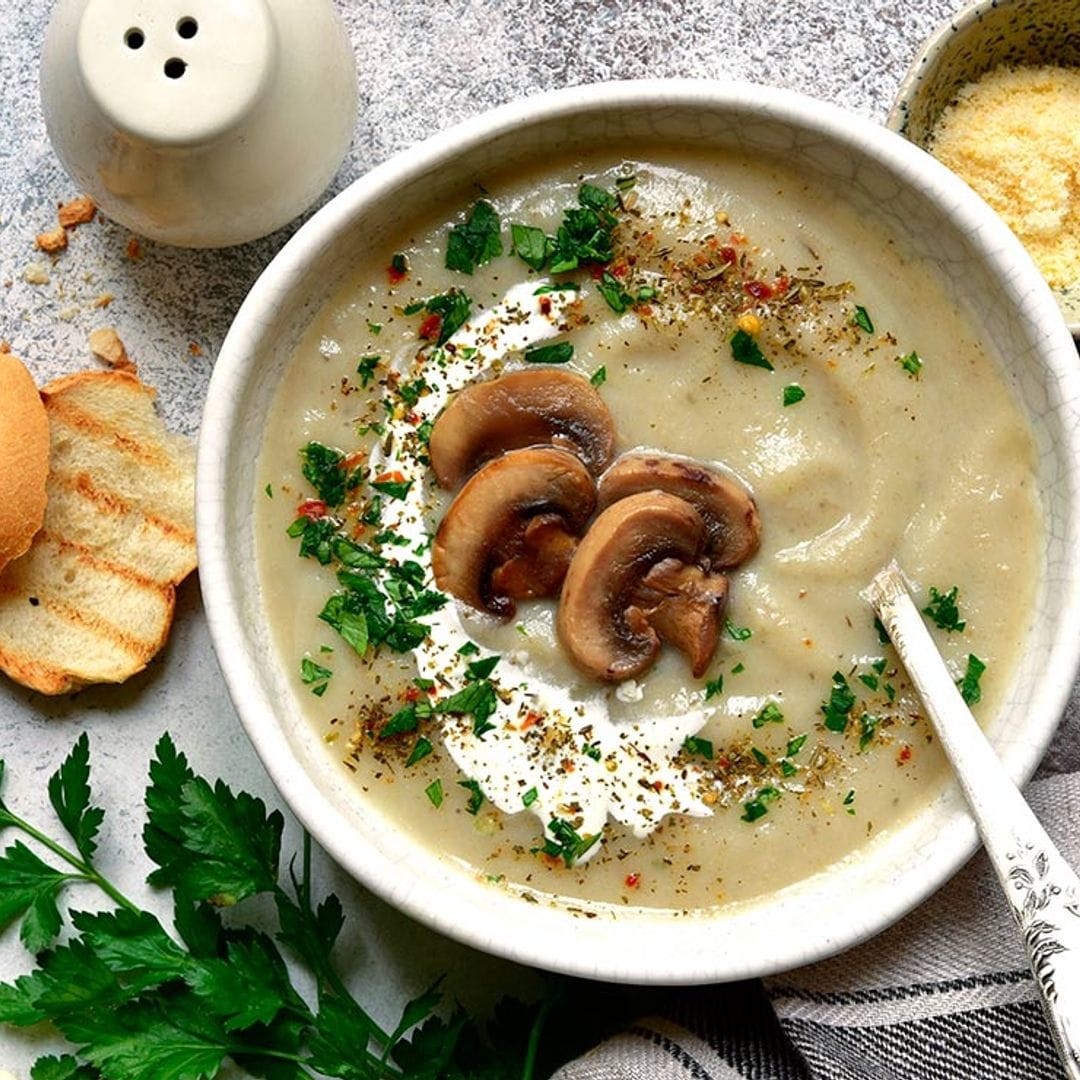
1014 136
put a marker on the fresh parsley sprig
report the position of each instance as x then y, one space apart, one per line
138 999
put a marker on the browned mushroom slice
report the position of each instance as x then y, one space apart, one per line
606 573
729 511
684 605
524 408
511 530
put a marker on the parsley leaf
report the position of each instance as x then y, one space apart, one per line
868 726
738 633
69 793
758 807
28 889
944 611
315 536
714 687
837 710
420 750
565 842
310 672
477 699
453 308
322 468
366 369
434 792
530 244
476 241
692 744
795 745
970 690
911 363
861 319
476 796
559 353
599 376
618 299
768 714
745 350
793 394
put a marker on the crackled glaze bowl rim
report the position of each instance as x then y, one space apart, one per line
826 913
961 27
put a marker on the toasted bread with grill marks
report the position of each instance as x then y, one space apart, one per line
92 600
24 459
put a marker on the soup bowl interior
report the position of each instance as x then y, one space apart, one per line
940 222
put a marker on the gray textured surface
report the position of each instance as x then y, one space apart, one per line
422 66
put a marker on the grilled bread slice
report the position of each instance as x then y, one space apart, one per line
24 459
92 600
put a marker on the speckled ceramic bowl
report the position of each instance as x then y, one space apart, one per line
981 37
965 249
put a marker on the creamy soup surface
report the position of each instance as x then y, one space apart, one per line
882 431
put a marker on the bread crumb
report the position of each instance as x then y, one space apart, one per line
104 300
1012 135
5 347
106 346
79 211
133 249
36 274
53 241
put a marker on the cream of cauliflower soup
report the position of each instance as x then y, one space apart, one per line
566 502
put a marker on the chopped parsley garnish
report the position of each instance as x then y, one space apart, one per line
714 687
434 793
869 680
599 376
530 245
592 750
596 198
758 806
744 350
406 719
879 665
375 327
559 353
849 800
882 633
738 633
395 489
970 690
787 768
470 648
530 797
943 610
693 744
868 726
481 669
315 537
768 714
738 669
911 364
366 369
795 745
861 319
476 796
625 183
793 394
453 308
837 710
759 756
562 286
410 392
477 699
312 673
269 491
618 299
646 292
565 842
585 233
399 264
322 468
420 751
476 241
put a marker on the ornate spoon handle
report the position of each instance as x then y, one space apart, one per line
1040 886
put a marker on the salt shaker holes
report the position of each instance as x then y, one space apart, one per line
174 68
134 38
187 27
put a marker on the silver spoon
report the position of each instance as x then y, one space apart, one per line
1040 886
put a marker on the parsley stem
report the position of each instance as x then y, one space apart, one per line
534 1038
86 871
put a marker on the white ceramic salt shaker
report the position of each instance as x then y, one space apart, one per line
200 123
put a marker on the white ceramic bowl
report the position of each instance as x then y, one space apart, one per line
938 219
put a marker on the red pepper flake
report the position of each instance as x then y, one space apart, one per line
545 305
631 881
312 509
724 763
658 785
430 327
530 720
412 693
759 290
396 276
395 477
597 270
781 284
904 756
618 270
729 254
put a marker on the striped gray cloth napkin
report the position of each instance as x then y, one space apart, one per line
945 994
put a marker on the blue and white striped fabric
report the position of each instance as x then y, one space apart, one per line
945 994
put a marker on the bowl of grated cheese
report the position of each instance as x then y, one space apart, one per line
994 94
